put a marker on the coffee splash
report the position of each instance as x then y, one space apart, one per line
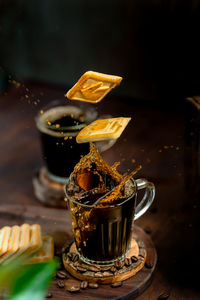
93 179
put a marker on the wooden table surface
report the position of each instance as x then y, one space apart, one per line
154 138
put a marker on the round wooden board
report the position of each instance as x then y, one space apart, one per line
135 285
47 191
127 270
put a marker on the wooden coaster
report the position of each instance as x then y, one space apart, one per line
120 271
47 191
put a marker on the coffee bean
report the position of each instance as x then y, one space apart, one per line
116 273
73 289
119 264
84 284
113 269
134 258
61 274
107 273
116 284
147 229
128 261
49 295
98 274
163 296
75 257
80 269
149 264
88 273
93 268
73 267
60 284
93 285
106 268
72 285
121 270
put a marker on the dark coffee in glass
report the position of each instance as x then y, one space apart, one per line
104 233
58 128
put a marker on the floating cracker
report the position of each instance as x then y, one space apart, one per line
46 252
103 129
93 87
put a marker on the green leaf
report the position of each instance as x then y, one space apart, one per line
9 271
32 281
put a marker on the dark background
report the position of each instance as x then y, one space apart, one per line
153 44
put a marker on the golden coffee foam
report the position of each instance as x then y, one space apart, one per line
103 129
93 87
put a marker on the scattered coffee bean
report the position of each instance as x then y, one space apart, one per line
134 258
128 261
75 257
121 270
84 284
113 269
107 273
116 273
72 285
118 264
163 296
106 268
93 268
149 264
73 267
147 229
49 295
116 284
81 269
60 284
93 285
98 274
73 289
61 274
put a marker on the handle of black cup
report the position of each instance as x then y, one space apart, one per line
147 199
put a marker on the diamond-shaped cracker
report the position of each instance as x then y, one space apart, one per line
93 87
102 129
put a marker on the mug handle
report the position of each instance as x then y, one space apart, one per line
148 198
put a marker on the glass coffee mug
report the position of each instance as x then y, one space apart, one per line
59 123
103 234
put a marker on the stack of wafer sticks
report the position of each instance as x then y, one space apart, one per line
25 240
